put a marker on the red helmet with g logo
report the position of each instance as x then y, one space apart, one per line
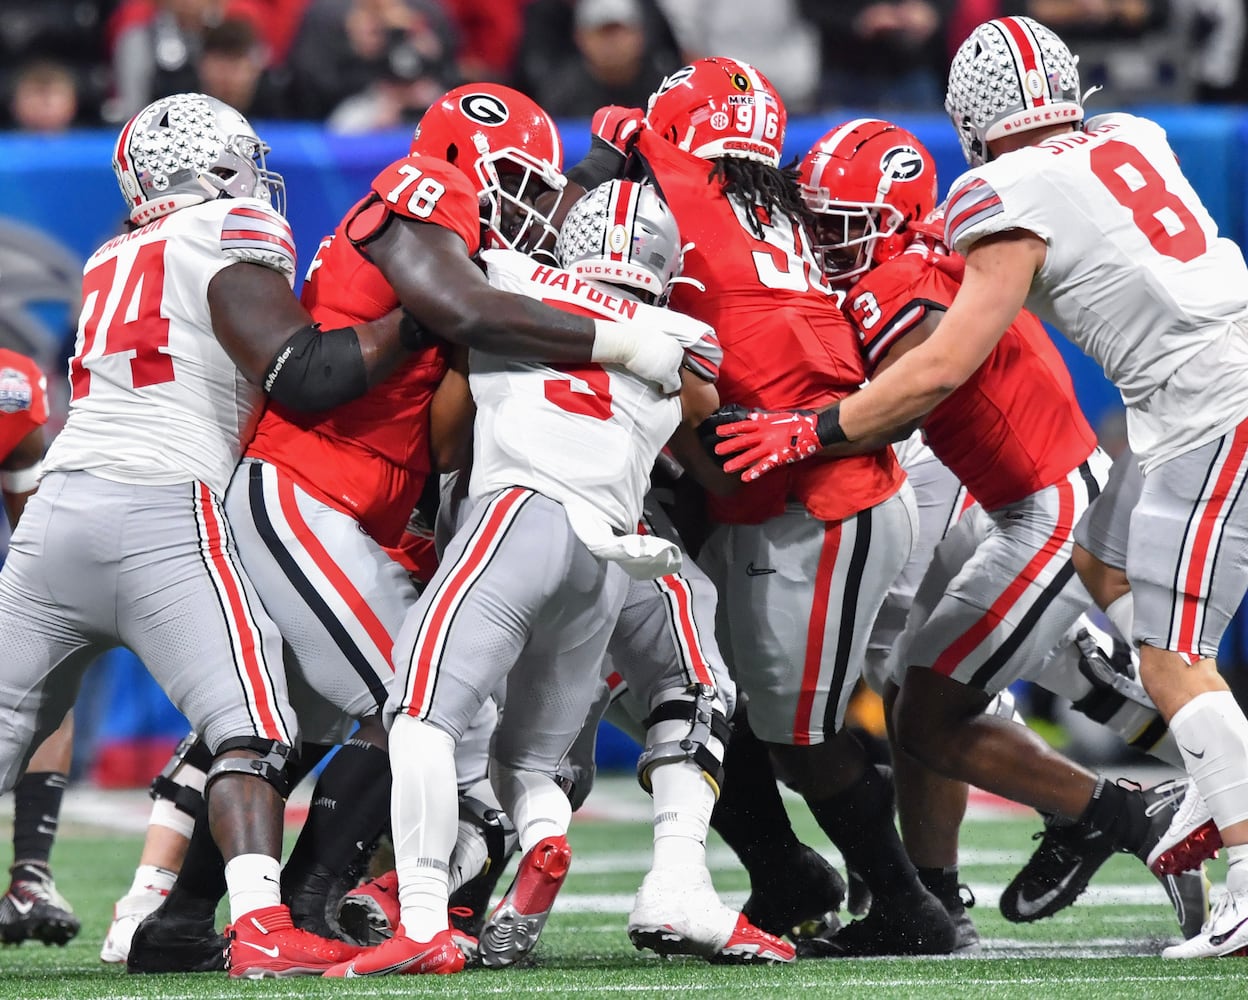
507 147
720 107
865 180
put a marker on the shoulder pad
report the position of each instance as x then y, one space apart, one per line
256 233
427 189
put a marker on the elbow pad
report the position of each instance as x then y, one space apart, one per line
317 369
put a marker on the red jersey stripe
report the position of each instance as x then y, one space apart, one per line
339 580
816 629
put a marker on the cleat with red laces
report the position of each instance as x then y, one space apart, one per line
1190 838
369 913
401 956
750 945
513 928
265 944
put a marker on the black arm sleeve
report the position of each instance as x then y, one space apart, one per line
602 163
317 369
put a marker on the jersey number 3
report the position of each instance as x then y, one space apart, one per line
134 324
1158 212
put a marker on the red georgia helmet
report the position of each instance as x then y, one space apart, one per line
865 180
720 107
507 146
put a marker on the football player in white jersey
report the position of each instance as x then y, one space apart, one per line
188 320
529 589
1094 227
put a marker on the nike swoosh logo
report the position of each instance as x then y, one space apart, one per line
1030 907
271 952
1217 940
752 570
396 967
23 906
1198 756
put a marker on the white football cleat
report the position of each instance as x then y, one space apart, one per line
128 913
1225 932
675 915
1191 837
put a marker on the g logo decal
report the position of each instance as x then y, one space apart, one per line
485 109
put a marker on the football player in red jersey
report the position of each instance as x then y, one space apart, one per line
1001 591
318 498
32 907
802 561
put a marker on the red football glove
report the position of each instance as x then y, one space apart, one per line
615 125
767 439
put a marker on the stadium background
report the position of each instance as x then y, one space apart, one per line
59 201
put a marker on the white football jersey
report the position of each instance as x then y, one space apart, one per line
1135 274
154 397
586 435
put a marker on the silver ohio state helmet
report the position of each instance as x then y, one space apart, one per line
1011 75
622 233
186 149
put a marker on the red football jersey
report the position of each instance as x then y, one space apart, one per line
23 399
370 457
786 344
1015 426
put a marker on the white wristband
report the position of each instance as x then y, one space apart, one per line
21 480
614 343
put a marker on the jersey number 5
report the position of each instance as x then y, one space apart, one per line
134 324
1159 214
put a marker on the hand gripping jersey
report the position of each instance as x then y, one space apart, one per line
23 399
786 344
1012 428
586 435
155 399
1136 274
370 457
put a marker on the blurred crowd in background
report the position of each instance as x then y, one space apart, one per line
362 65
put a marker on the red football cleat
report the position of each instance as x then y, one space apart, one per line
400 955
513 928
369 913
265 944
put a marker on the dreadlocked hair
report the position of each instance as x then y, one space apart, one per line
756 184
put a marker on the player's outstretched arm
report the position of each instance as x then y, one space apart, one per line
271 337
430 271
999 273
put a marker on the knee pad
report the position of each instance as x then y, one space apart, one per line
273 765
685 725
182 780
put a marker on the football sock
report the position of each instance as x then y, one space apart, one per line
254 882
683 801
859 821
941 883
201 880
1237 868
36 812
424 806
537 806
750 815
1118 813
1212 735
348 814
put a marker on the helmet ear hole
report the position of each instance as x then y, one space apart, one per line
452 154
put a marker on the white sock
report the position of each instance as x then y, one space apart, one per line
166 814
683 802
1237 869
254 883
1121 612
1212 735
536 805
424 814
150 878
